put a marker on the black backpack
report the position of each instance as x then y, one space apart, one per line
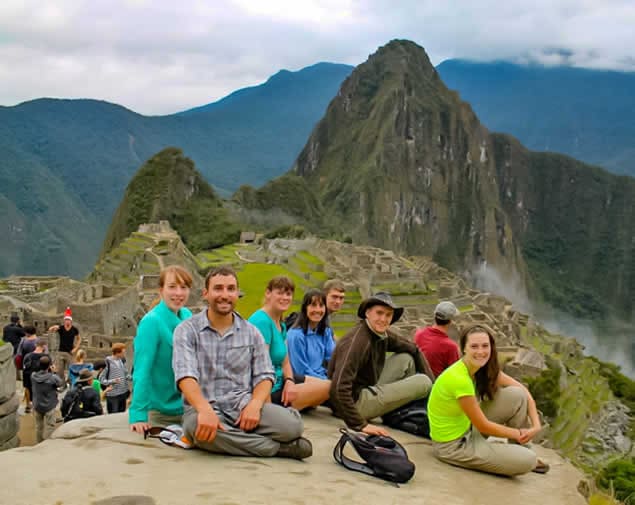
72 405
383 457
411 417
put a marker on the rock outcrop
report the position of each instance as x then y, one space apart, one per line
106 464
9 401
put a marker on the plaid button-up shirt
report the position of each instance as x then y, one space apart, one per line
227 367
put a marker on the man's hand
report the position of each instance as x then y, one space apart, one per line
249 417
207 425
371 429
140 427
54 328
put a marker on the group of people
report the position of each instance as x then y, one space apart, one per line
238 386
43 377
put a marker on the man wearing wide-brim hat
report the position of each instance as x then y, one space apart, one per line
364 382
81 400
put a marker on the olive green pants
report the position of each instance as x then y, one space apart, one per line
398 384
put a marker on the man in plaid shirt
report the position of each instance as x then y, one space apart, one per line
222 367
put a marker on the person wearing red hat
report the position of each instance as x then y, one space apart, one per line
68 341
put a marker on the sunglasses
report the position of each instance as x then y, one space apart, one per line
155 432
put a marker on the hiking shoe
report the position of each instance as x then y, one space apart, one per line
28 409
299 448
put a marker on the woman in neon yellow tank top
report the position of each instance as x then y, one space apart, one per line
459 423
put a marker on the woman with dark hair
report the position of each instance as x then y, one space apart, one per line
459 424
155 398
310 340
295 390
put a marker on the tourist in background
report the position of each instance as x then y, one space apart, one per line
32 349
68 342
45 387
459 423
155 400
81 400
116 375
78 365
13 332
433 341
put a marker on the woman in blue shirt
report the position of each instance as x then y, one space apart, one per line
292 390
310 341
155 399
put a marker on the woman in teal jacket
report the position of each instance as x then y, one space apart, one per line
155 399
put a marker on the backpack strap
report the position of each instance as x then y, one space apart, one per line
338 455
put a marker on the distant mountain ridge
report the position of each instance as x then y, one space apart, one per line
64 164
587 114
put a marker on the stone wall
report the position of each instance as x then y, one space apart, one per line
9 400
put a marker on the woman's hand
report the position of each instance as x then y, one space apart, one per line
526 434
289 393
140 427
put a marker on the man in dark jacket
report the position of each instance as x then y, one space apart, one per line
81 400
45 385
364 383
13 332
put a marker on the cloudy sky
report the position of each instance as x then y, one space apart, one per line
162 56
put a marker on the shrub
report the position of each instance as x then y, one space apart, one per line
619 477
546 388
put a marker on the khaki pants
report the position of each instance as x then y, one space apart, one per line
277 424
156 418
44 424
62 362
472 450
398 384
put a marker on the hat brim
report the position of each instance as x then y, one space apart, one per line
370 302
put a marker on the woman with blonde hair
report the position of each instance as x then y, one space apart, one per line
473 399
156 400
78 365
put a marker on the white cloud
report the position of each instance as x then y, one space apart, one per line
162 56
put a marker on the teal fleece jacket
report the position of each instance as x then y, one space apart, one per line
153 385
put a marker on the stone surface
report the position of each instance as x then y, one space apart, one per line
105 464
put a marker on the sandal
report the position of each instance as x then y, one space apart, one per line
541 467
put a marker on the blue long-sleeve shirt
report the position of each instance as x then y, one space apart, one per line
153 378
308 352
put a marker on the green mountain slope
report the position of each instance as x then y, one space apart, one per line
92 149
168 187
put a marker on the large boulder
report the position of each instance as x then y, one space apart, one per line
103 463
9 402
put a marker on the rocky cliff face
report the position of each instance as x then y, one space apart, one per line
402 163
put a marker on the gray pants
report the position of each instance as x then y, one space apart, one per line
472 450
44 424
277 424
398 384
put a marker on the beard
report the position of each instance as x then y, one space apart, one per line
227 308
